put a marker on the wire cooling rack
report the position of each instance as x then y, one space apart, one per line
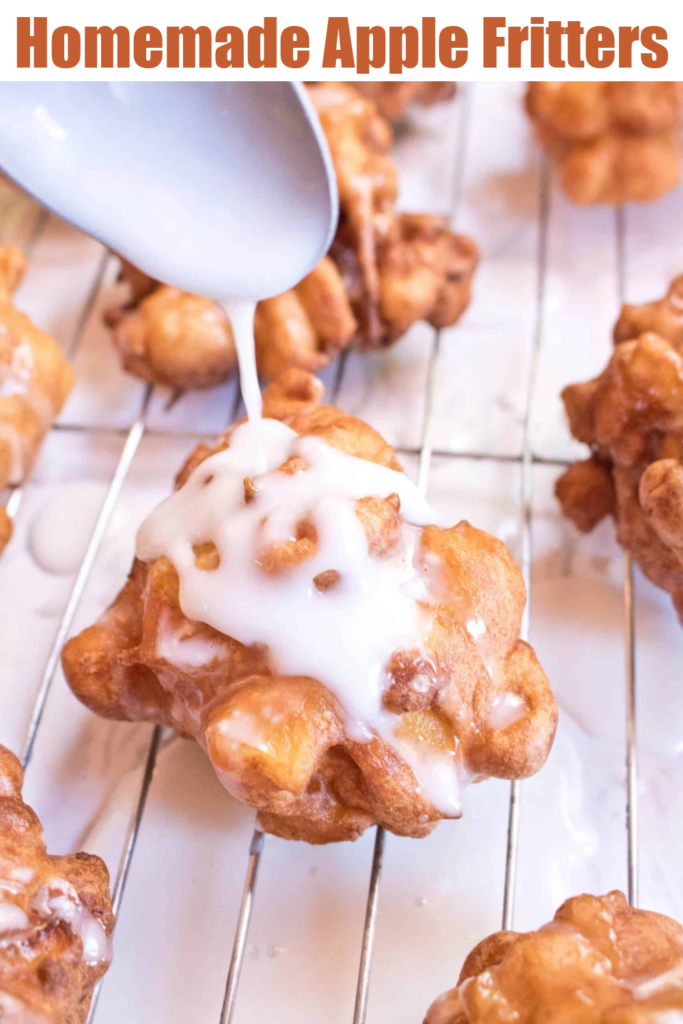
525 457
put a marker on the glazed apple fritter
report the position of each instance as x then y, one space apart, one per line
632 418
598 962
385 271
612 142
34 377
475 697
397 268
55 917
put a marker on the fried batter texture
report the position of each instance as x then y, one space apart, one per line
612 142
34 377
167 336
393 98
632 418
299 767
55 917
385 271
598 962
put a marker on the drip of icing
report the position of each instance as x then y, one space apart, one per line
12 918
240 312
650 987
14 1011
506 709
17 379
60 901
184 653
61 529
23 875
14 879
476 627
344 636
17 455
446 1008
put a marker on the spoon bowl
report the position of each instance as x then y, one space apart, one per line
225 189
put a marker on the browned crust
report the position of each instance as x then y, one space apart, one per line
612 142
631 417
385 271
584 967
315 783
43 969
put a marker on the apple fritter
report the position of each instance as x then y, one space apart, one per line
35 378
167 336
612 142
326 752
598 961
55 917
631 416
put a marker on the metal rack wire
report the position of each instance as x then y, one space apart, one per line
526 459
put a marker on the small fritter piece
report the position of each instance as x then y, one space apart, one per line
586 493
34 377
306 327
613 142
183 341
393 98
632 418
397 268
663 317
177 339
599 961
385 271
456 697
424 272
55 917
359 139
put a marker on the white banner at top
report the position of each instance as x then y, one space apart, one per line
303 40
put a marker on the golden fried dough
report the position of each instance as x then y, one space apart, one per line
307 326
34 377
612 142
631 416
424 272
185 341
397 268
55 917
598 962
385 271
393 98
663 317
177 339
279 742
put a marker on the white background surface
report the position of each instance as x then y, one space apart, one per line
440 895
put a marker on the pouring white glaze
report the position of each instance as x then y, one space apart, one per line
240 313
343 636
252 195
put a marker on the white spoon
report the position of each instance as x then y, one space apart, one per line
220 188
